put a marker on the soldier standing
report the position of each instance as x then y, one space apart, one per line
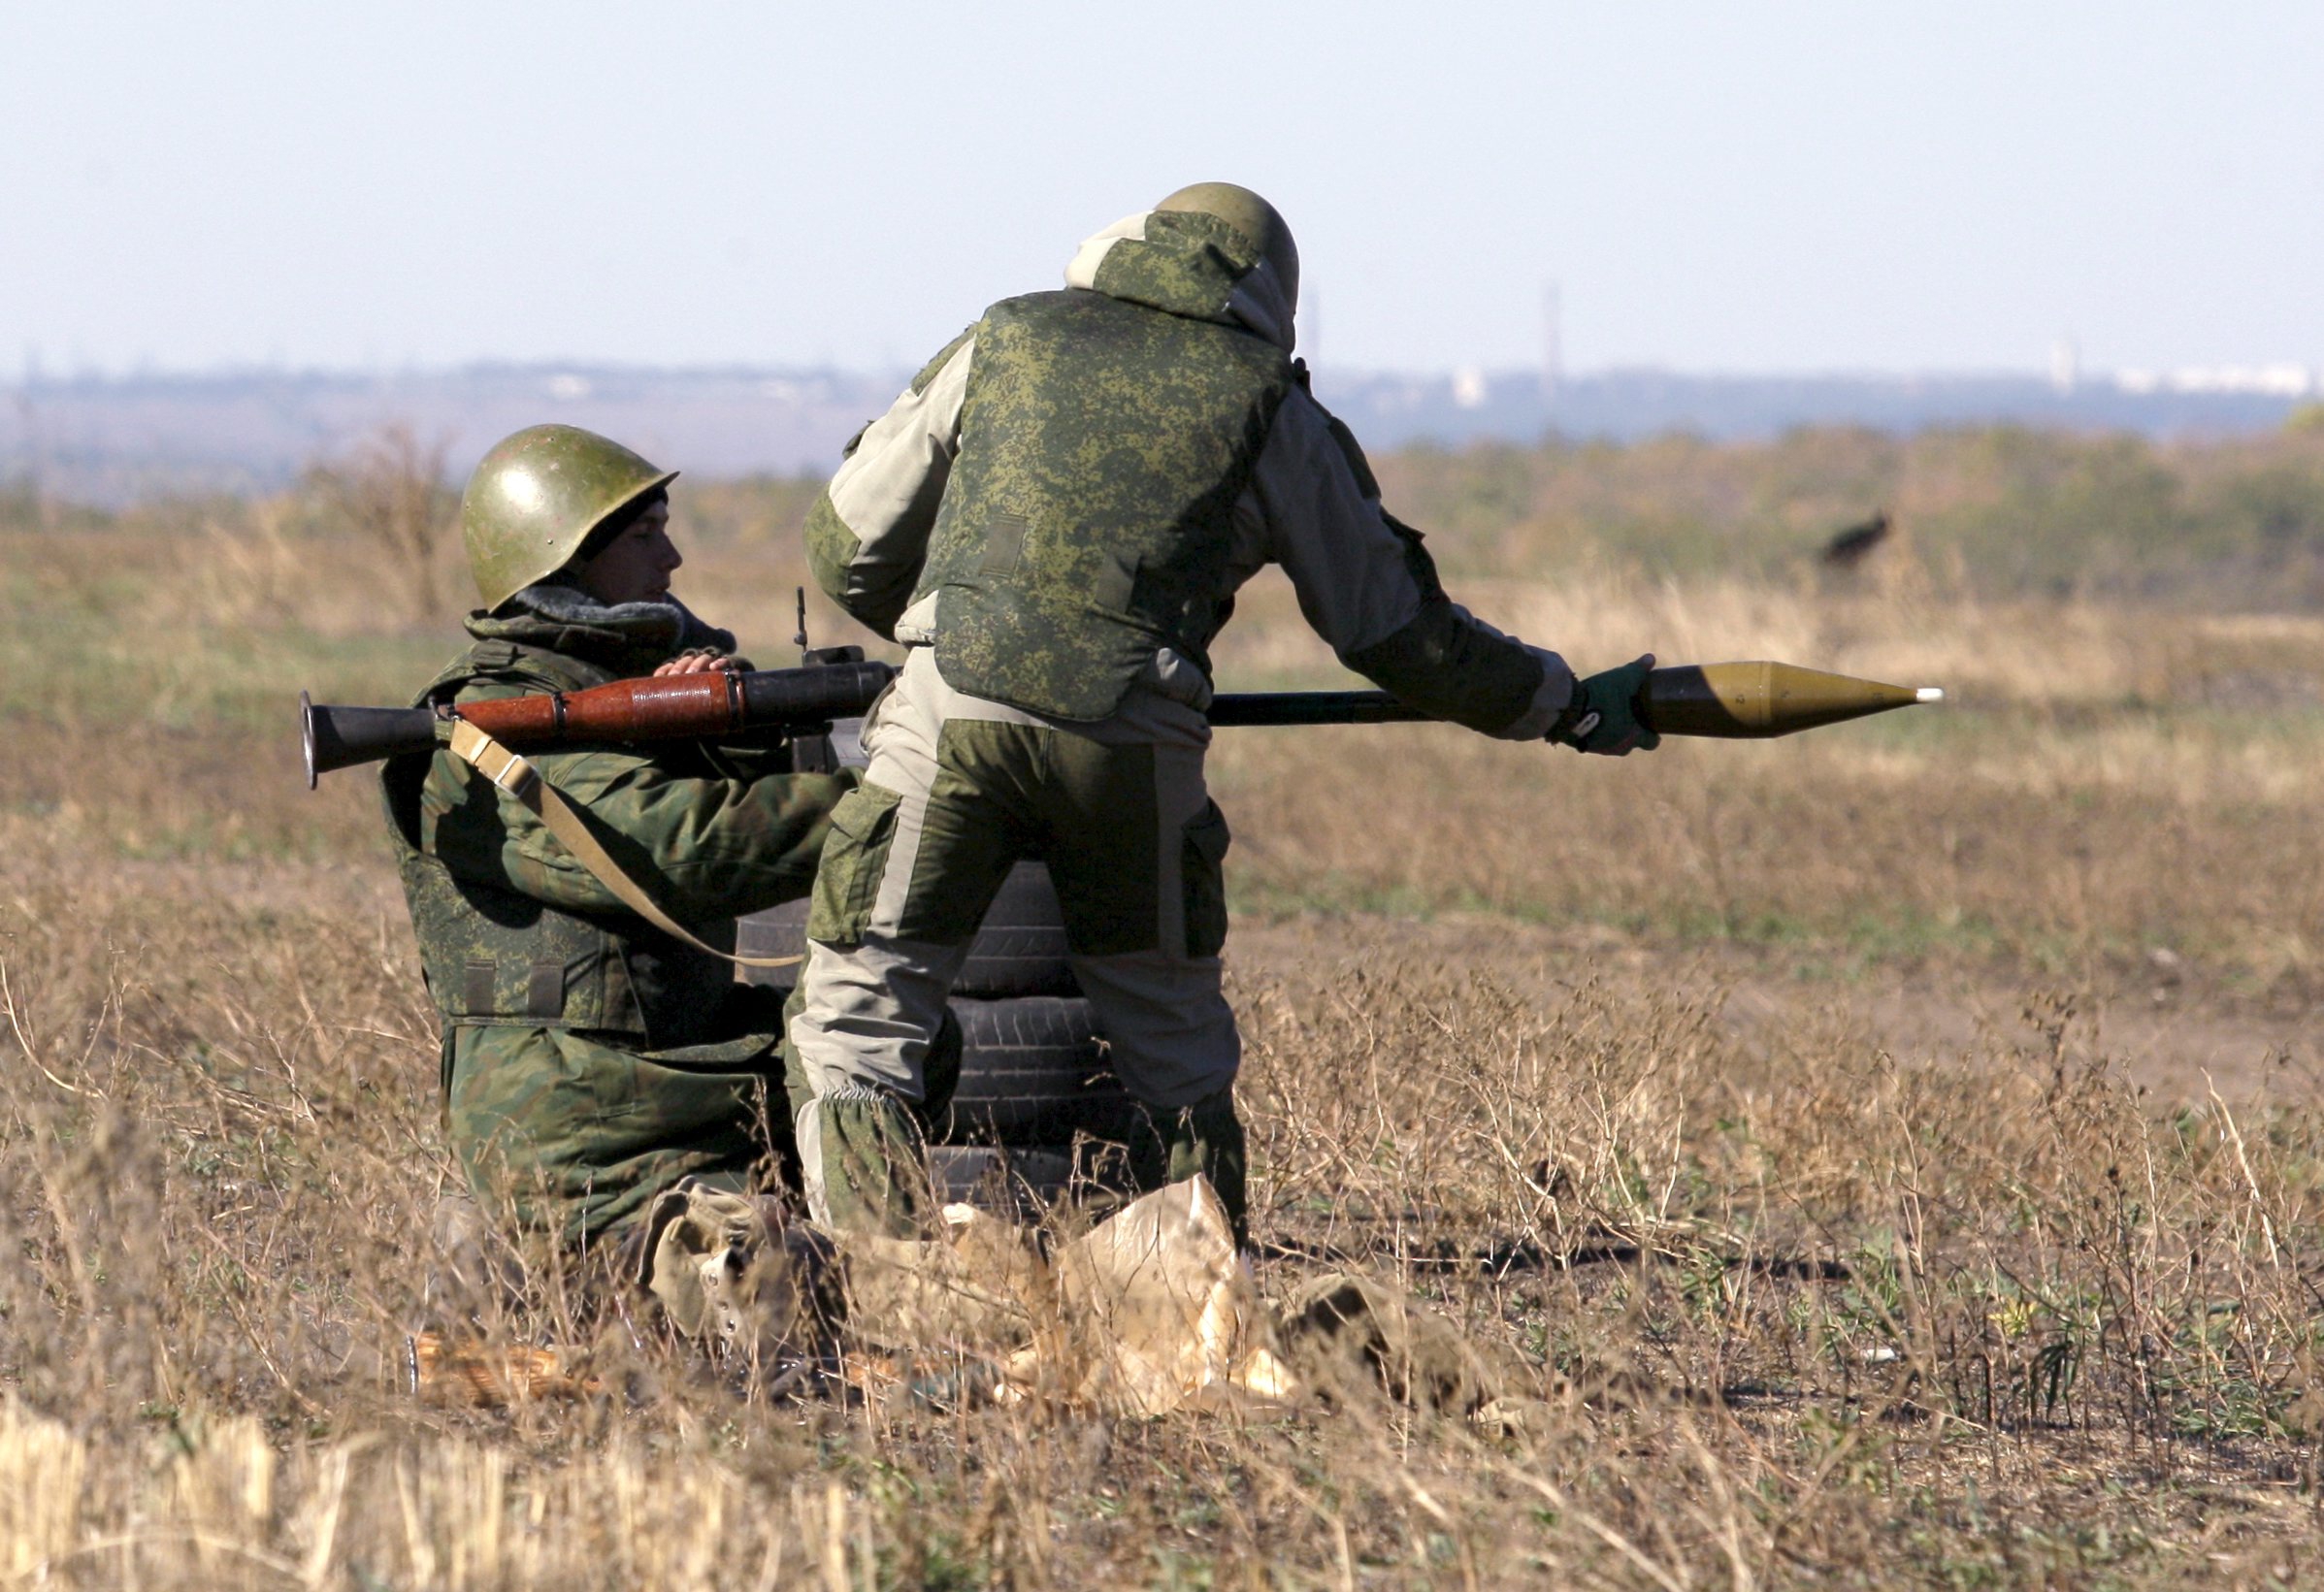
1054 519
591 1060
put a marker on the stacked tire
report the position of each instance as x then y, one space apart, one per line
1037 1101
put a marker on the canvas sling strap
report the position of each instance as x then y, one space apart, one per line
515 775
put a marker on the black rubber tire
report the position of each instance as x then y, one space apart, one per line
1020 948
1020 1183
1019 951
1032 1072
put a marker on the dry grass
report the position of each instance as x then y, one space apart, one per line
1590 1056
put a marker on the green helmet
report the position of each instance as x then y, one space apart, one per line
536 496
1251 216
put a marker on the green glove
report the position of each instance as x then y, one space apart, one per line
1603 716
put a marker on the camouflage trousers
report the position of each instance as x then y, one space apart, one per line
957 791
574 1133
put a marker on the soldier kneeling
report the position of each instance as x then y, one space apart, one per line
592 1063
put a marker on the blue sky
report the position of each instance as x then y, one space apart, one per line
1714 186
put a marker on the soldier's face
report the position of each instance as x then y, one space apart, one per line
635 565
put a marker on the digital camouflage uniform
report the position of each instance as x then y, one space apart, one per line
589 1059
1054 518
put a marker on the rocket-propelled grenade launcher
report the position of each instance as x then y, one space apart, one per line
705 706
1728 701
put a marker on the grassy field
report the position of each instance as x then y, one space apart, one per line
1892 1156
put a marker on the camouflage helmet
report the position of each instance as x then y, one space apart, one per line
1251 216
536 496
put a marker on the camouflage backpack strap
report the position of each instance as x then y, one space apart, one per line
518 777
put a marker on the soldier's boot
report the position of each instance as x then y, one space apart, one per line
731 1270
1168 1147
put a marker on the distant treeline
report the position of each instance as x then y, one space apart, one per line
1999 511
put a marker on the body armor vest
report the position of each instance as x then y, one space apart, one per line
1086 521
492 956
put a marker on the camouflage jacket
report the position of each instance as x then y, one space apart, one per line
512 927
1066 499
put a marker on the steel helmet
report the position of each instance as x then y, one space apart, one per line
1251 216
536 496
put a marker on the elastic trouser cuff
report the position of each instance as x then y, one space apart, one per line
864 1164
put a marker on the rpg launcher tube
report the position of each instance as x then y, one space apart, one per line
672 707
1728 701
1724 701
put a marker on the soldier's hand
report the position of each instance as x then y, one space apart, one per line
697 661
1603 716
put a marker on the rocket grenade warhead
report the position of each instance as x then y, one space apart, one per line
1750 702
